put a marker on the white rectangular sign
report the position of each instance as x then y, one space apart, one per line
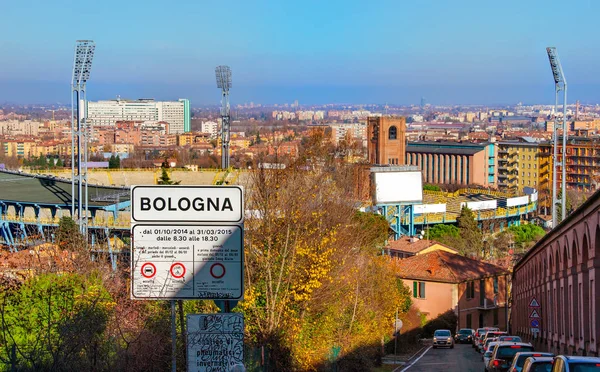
398 187
521 200
480 205
215 342
429 208
181 261
200 204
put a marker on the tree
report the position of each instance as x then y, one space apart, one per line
118 162
526 235
112 162
59 163
442 233
165 179
470 234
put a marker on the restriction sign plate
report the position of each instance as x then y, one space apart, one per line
181 261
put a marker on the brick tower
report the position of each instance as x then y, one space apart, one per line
386 140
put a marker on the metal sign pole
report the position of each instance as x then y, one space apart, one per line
173 338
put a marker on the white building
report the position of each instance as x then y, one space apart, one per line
355 131
211 127
107 113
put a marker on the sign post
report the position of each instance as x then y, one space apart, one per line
187 243
215 342
534 317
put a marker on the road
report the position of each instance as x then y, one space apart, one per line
463 358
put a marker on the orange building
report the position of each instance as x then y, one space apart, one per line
386 142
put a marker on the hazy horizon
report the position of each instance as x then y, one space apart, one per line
469 53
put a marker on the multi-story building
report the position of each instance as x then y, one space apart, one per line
107 113
353 131
523 164
582 162
459 163
210 127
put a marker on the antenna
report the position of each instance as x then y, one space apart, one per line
223 75
80 131
560 84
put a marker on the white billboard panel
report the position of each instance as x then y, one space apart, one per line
430 208
521 200
398 187
480 205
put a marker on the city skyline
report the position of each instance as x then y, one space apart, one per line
348 52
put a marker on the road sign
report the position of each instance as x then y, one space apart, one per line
398 325
535 330
187 262
148 270
215 342
198 204
534 303
535 323
534 314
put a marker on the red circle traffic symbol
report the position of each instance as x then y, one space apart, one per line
214 270
177 270
148 270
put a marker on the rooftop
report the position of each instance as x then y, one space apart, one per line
404 244
442 266
44 190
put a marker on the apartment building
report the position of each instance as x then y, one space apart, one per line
522 164
352 131
108 113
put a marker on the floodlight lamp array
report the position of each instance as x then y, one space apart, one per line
555 65
84 55
223 75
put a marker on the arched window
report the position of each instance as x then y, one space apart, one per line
393 133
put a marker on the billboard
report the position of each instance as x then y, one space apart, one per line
480 205
430 208
397 187
521 200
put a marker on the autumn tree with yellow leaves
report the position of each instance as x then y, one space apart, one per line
316 283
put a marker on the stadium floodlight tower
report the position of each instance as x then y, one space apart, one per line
80 131
560 84
223 74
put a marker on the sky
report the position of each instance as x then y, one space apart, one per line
395 52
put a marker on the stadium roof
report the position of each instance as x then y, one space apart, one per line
48 190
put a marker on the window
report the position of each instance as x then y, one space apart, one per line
523 157
529 157
496 317
470 290
469 320
496 285
534 183
393 133
419 289
535 166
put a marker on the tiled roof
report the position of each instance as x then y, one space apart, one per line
442 266
403 244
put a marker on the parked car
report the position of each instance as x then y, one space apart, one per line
443 337
510 338
538 364
563 363
479 342
490 334
487 355
519 359
464 335
487 343
504 353
478 332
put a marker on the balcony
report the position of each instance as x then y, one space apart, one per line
488 303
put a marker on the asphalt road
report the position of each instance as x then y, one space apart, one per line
463 358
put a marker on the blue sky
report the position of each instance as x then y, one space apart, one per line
479 52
